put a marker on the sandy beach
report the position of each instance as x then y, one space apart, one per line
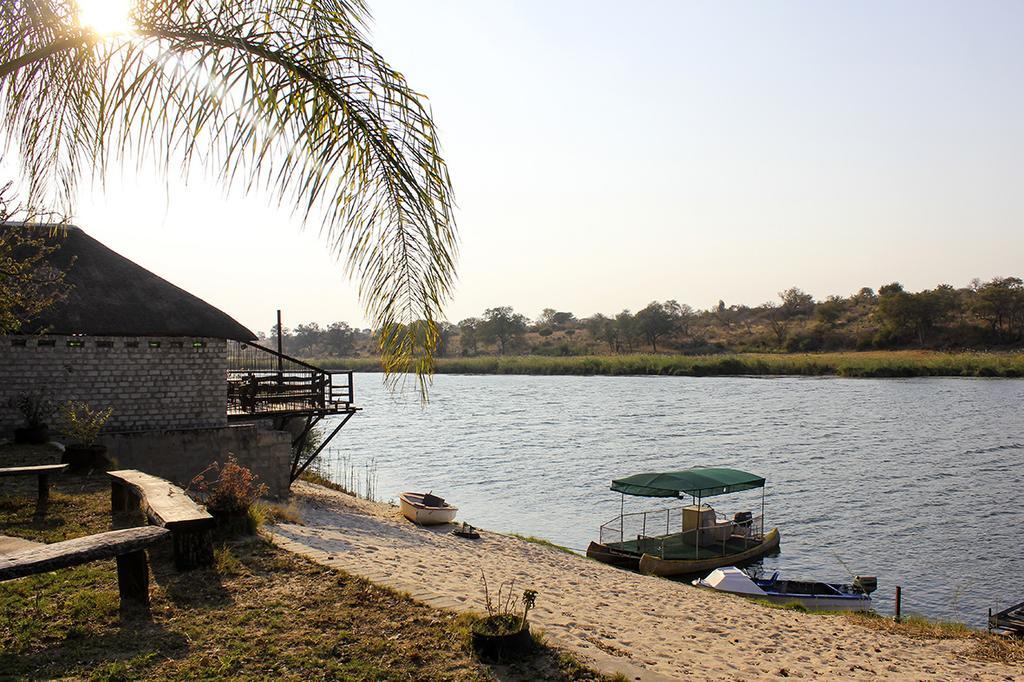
645 627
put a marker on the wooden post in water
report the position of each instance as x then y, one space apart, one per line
899 604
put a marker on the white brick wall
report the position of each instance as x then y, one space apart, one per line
165 387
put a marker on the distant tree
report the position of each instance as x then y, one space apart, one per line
628 330
830 310
682 315
469 329
796 303
306 339
603 329
504 326
894 310
866 294
339 340
446 331
777 320
286 338
1000 302
654 322
561 320
546 318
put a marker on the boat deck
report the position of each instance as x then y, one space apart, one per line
677 548
1011 619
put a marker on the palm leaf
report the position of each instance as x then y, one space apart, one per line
279 97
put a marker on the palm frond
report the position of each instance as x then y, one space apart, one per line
278 97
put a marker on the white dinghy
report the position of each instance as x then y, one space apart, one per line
426 509
814 596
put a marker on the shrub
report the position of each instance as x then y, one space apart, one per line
35 407
228 489
81 423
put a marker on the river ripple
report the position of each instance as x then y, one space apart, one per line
917 481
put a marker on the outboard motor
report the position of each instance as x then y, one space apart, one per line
743 519
865 583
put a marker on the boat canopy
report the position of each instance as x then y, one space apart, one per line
699 482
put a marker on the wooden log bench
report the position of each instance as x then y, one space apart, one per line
42 471
168 506
128 546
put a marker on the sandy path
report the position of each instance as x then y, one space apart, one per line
645 627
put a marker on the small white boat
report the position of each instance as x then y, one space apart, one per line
426 509
814 596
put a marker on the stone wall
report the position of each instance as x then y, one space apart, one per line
179 455
152 382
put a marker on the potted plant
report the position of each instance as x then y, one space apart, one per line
503 633
82 425
36 408
229 492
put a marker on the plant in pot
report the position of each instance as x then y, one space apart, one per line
36 408
82 425
230 492
504 632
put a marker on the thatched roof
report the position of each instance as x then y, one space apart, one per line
112 296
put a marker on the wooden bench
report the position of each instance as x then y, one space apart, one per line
168 506
42 471
128 546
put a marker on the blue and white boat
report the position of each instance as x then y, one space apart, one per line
814 596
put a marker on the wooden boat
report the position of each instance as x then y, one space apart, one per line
694 538
651 564
815 596
608 555
426 509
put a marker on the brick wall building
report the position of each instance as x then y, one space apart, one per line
159 382
125 338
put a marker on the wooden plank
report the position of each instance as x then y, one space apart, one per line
164 503
33 470
107 545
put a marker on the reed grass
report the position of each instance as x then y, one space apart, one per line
866 364
543 543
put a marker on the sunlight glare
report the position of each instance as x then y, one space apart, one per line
106 17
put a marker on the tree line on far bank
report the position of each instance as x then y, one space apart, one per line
982 315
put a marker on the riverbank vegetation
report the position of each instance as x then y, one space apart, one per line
853 364
981 316
258 612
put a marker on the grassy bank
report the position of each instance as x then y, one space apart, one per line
258 613
851 364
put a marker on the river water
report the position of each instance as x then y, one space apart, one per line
916 481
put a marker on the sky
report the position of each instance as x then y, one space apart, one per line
606 154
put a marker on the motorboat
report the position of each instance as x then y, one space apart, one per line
812 595
426 509
690 540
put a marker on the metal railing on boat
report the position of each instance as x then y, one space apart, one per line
641 532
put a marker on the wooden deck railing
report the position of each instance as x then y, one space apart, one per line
263 382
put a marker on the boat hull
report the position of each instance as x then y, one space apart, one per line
424 515
818 603
652 565
607 555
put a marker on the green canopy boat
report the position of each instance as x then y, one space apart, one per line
684 540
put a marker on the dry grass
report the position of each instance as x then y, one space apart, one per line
259 612
987 647
274 512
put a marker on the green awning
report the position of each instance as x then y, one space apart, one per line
700 482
